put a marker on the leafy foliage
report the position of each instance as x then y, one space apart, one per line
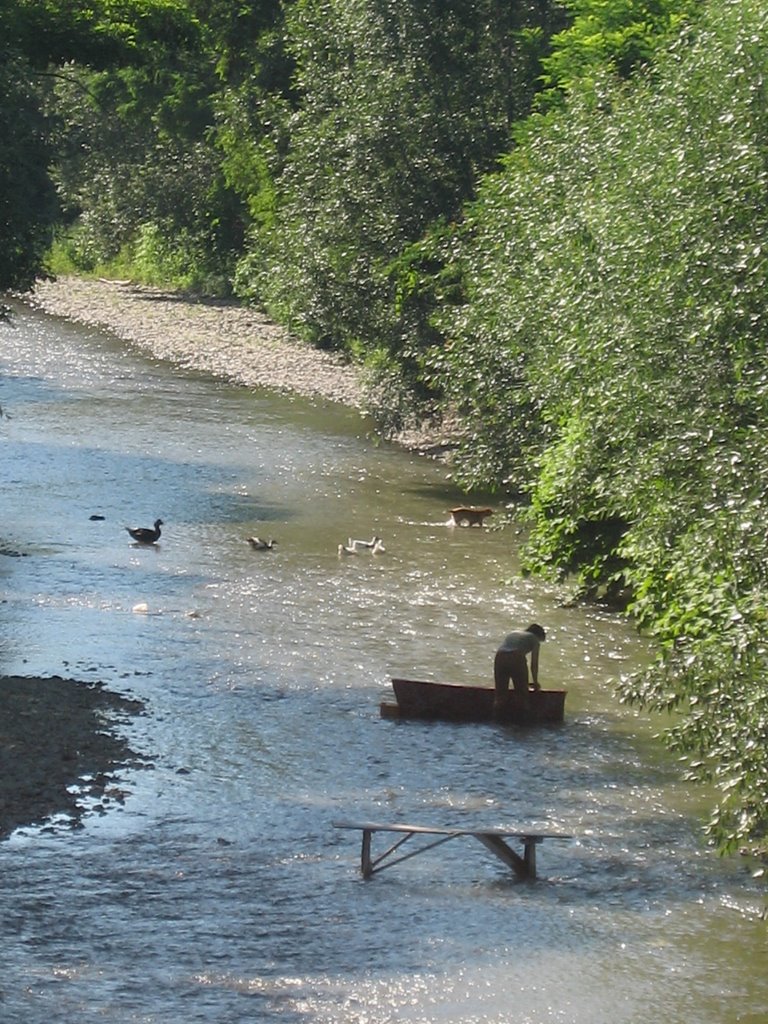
612 347
138 165
621 36
401 105
43 42
28 205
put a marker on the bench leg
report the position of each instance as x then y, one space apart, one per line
365 856
529 855
513 860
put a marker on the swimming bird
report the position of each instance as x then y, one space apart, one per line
261 545
143 535
346 549
363 543
378 547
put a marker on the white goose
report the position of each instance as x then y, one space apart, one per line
261 545
363 543
353 547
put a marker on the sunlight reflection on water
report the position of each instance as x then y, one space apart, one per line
220 891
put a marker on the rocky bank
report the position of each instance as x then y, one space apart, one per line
60 752
233 342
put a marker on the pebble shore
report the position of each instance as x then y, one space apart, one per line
233 342
58 750
230 341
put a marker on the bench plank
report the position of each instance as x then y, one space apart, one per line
491 838
439 830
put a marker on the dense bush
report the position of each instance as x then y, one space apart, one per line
612 355
75 47
28 202
402 105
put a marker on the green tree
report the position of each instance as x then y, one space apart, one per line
401 107
611 360
28 206
40 43
160 166
621 36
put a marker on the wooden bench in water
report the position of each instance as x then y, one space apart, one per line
492 838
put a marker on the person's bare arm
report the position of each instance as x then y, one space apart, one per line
535 668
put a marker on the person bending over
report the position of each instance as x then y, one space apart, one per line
510 664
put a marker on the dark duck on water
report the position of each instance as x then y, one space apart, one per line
143 535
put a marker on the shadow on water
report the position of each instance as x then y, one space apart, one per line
204 484
451 495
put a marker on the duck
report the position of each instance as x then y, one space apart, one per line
143 535
261 545
364 543
347 549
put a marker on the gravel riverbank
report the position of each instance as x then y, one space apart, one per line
215 336
59 749
230 341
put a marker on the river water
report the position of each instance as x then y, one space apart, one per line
220 890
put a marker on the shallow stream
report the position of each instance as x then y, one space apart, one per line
219 891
